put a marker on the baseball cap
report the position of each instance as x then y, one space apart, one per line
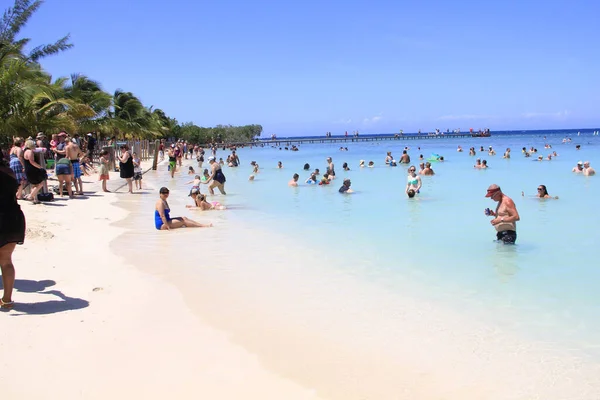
211 158
579 162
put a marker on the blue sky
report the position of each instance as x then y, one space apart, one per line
312 67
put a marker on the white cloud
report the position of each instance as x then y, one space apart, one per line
373 120
557 115
463 117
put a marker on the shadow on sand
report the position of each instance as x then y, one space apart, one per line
60 304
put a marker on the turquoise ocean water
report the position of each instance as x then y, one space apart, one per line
439 246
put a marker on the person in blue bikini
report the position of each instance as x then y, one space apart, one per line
162 219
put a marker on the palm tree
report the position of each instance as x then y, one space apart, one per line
85 91
13 20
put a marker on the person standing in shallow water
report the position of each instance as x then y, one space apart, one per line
294 181
330 168
126 168
216 178
505 216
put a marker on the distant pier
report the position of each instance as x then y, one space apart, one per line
350 139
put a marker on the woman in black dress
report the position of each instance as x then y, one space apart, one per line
12 229
126 168
35 173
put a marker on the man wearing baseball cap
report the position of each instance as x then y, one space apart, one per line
505 216
578 168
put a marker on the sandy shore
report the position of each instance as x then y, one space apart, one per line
88 326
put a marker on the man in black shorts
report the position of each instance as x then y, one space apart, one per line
505 216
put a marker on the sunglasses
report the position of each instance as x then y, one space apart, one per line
540 189
164 192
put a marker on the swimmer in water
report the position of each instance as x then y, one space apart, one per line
428 170
279 164
294 181
587 170
362 163
542 193
312 179
388 157
371 164
191 170
346 187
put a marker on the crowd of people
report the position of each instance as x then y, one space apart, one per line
25 165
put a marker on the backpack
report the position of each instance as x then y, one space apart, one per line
45 196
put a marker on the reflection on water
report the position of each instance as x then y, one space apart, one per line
505 261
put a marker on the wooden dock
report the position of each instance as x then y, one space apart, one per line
288 141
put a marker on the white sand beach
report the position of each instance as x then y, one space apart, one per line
86 325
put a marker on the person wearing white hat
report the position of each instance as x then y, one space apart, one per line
216 178
587 170
578 168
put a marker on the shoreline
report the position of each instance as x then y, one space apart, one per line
88 325
293 324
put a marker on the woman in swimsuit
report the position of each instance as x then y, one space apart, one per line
36 175
126 168
217 178
163 220
414 180
172 160
542 193
12 233
330 168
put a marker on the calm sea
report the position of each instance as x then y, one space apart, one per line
439 246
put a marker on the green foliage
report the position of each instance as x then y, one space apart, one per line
30 102
13 20
217 134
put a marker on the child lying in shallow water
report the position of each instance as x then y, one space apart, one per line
204 205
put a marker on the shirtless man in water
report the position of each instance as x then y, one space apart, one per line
505 216
73 153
